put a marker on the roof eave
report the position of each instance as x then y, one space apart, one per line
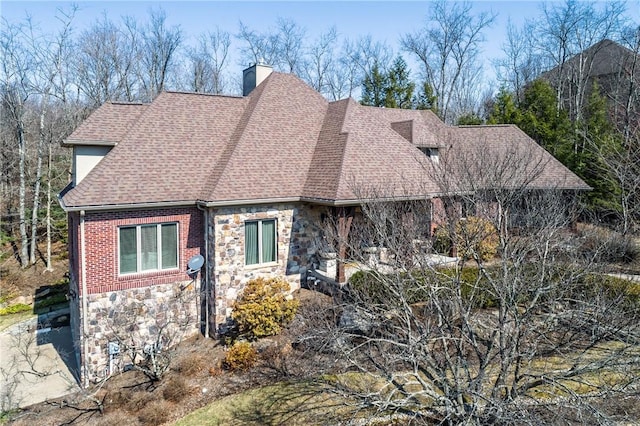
136 206
68 143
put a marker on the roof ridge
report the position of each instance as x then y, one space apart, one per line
188 92
225 157
329 126
472 126
128 103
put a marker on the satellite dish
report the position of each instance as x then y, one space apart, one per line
195 264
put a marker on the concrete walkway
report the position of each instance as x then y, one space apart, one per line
37 364
634 278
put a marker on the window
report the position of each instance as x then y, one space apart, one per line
432 153
148 247
260 242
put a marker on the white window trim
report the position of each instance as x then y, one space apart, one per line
275 238
159 248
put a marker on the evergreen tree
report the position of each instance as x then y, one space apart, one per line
598 138
374 88
399 90
426 99
393 89
545 123
470 119
504 109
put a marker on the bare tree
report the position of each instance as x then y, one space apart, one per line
208 62
447 46
282 47
344 76
320 61
290 45
156 53
564 37
534 335
105 62
16 91
520 65
258 47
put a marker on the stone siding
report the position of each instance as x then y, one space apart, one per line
136 318
298 233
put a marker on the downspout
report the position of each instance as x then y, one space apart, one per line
205 275
84 300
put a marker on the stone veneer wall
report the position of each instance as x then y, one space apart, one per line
136 317
108 292
298 232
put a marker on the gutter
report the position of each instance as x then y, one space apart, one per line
137 206
69 143
207 280
85 306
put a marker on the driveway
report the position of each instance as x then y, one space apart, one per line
37 361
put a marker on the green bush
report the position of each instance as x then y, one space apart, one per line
263 308
14 309
240 356
472 284
613 288
368 286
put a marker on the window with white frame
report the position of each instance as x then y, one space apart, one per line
148 247
260 241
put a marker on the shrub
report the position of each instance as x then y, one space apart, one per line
609 246
176 389
156 412
471 236
442 240
192 364
263 308
367 286
476 236
14 309
240 356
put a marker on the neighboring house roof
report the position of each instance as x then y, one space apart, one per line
602 59
283 141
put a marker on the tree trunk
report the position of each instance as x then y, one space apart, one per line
36 193
49 161
24 240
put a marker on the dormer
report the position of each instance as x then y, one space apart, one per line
416 132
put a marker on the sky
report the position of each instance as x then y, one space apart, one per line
383 20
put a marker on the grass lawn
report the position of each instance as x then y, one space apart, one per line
283 403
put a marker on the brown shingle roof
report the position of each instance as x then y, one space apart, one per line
107 125
283 141
504 155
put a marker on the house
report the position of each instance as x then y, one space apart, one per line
244 182
613 66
